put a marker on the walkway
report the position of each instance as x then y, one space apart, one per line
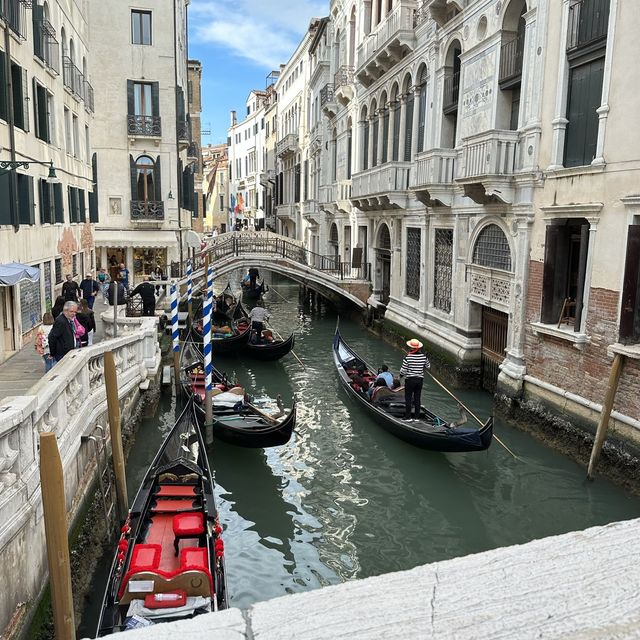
20 372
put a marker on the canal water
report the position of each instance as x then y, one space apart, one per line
345 500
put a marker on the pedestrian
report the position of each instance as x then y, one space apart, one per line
147 292
258 316
62 337
70 289
123 275
413 367
56 310
122 293
103 281
87 319
89 288
42 341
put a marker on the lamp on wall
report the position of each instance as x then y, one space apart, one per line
11 165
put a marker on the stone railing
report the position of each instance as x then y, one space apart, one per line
491 153
435 166
70 401
385 178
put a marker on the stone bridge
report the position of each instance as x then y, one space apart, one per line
327 275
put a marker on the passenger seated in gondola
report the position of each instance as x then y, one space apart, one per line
376 386
221 304
386 375
360 381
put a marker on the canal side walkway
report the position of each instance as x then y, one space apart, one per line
21 371
582 585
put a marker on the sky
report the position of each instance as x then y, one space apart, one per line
239 42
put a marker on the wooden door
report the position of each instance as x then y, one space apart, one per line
495 325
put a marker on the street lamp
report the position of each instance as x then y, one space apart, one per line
11 165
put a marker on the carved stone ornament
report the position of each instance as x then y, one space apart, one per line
67 246
115 206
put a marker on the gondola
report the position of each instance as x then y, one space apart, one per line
169 561
256 292
387 408
235 419
227 342
266 350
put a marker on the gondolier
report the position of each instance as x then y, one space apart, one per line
413 366
258 316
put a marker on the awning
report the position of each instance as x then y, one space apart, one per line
14 272
148 239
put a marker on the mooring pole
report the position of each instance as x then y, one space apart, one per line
113 408
55 528
190 291
208 365
603 425
175 332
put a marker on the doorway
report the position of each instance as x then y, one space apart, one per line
7 334
495 326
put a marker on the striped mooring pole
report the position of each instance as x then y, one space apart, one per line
208 365
175 332
190 289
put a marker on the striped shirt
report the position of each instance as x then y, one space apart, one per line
414 364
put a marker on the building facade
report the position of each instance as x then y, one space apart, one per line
215 187
47 203
194 152
142 135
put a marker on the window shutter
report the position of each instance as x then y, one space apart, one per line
155 98
374 142
422 116
37 13
3 88
408 133
36 110
131 104
93 195
45 206
157 179
134 178
18 103
365 146
25 100
582 270
385 135
72 217
555 273
349 154
81 205
630 309
25 199
58 200
5 212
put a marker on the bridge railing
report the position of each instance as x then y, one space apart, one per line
269 244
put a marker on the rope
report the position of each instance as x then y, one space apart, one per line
174 318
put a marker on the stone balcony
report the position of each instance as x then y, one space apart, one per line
312 213
343 85
288 211
441 10
384 47
488 165
383 187
432 178
328 100
287 146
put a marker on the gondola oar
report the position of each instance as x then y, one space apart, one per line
293 353
261 413
272 288
473 415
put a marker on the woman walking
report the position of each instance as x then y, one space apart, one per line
87 319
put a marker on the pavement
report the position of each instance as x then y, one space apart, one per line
22 370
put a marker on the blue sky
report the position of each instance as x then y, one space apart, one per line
239 42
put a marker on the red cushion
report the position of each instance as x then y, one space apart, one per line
181 490
188 524
145 557
194 558
167 600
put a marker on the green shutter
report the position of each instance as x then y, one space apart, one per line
4 108
58 200
5 211
25 199
81 206
18 102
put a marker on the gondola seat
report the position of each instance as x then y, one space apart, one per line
187 525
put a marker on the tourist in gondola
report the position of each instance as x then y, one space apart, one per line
384 374
258 316
413 367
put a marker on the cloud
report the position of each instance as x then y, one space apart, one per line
265 32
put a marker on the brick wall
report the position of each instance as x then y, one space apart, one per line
586 371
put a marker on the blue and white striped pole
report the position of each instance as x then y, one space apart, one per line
208 367
175 332
190 289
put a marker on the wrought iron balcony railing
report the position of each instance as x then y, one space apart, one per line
14 13
147 210
588 23
184 129
89 102
327 95
511 56
144 125
73 78
45 45
343 77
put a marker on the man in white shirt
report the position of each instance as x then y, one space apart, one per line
258 315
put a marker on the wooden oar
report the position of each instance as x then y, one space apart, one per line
293 353
261 413
473 415
272 288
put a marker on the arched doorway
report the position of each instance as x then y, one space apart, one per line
382 284
334 242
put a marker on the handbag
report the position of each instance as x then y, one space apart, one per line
80 330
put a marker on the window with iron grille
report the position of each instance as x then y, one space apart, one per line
492 249
75 264
443 269
413 263
58 267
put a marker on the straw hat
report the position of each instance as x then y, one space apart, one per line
414 343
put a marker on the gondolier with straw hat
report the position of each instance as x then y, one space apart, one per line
412 369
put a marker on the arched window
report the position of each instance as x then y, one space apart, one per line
492 249
334 155
422 108
349 148
451 94
144 178
408 132
384 238
385 127
395 105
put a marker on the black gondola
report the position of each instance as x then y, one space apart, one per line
388 407
266 350
235 420
169 560
235 320
253 293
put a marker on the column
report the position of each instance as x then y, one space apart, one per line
359 148
370 150
416 119
380 134
392 122
403 125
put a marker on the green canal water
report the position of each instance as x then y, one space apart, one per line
345 500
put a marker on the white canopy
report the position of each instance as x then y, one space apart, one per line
14 272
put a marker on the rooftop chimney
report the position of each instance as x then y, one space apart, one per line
234 119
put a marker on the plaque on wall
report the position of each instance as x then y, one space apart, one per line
115 206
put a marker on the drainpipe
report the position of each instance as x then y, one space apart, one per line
13 180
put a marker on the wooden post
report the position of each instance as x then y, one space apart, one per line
603 425
55 527
115 309
113 408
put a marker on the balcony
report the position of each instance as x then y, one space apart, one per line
287 146
442 11
432 177
343 83
451 93
384 47
45 45
588 24
488 166
511 56
288 211
73 78
328 100
14 14
147 126
89 103
382 188
147 212
192 151
311 213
